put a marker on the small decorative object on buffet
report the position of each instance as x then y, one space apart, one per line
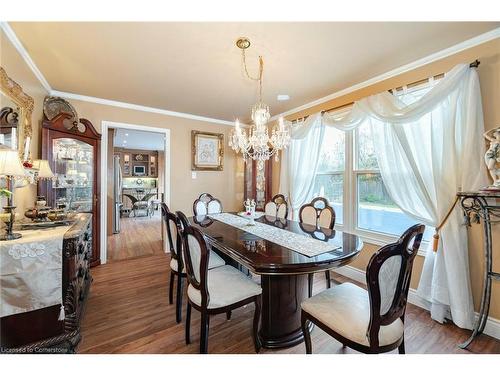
250 211
37 214
492 158
56 215
40 201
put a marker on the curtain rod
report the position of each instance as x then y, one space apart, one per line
473 64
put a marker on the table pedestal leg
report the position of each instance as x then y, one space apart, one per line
281 298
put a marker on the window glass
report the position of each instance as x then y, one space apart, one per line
329 181
365 150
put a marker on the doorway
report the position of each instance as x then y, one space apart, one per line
135 172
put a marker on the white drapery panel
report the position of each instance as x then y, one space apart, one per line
299 162
428 147
424 160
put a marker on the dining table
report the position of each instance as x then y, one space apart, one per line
284 253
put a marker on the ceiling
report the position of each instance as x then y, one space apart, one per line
139 140
196 68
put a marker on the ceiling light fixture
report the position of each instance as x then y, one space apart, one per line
257 145
283 97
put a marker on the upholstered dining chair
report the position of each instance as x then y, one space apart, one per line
173 227
320 214
369 321
215 291
277 207
206 204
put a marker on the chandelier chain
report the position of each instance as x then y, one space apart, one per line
261 72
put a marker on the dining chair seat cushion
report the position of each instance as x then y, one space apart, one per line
226 285
213 262
346 310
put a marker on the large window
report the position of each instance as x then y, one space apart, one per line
349 176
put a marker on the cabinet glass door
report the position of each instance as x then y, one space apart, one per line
74 169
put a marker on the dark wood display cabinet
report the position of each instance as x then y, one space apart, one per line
72 148
258 183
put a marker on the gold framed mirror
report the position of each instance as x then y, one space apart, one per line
17 109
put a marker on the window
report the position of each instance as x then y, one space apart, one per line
348 172
329 181
376 211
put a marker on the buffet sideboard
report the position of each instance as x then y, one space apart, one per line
45 330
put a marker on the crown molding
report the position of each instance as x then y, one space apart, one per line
469 43
11 35
137 107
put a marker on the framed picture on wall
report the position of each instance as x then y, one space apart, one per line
207 151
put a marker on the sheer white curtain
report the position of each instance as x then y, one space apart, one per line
299 162
424 160
428 148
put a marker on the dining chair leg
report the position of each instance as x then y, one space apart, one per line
228 314
178 307
188 324
205 323
171 288
310 279
306 333
328 280
401 348
256 319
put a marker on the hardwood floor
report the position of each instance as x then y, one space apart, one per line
139 236
128 312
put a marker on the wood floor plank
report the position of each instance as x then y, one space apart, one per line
128 312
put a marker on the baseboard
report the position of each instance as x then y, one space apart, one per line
492 327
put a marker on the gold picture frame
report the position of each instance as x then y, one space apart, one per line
207 151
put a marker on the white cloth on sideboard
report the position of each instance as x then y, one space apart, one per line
31 271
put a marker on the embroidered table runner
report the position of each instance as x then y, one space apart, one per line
300 243
31 271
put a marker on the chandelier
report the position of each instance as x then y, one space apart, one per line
256 144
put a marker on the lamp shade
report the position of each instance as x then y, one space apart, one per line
10 164
43 167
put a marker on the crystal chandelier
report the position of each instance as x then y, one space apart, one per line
257 144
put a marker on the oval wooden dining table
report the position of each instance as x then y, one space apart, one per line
284 272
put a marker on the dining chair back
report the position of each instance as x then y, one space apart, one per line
172 223
206 204
318 213
183 220
277 207
388 280
196 257
164 209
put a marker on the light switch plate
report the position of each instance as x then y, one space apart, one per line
193 175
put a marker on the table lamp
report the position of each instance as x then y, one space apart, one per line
10 168
43 169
